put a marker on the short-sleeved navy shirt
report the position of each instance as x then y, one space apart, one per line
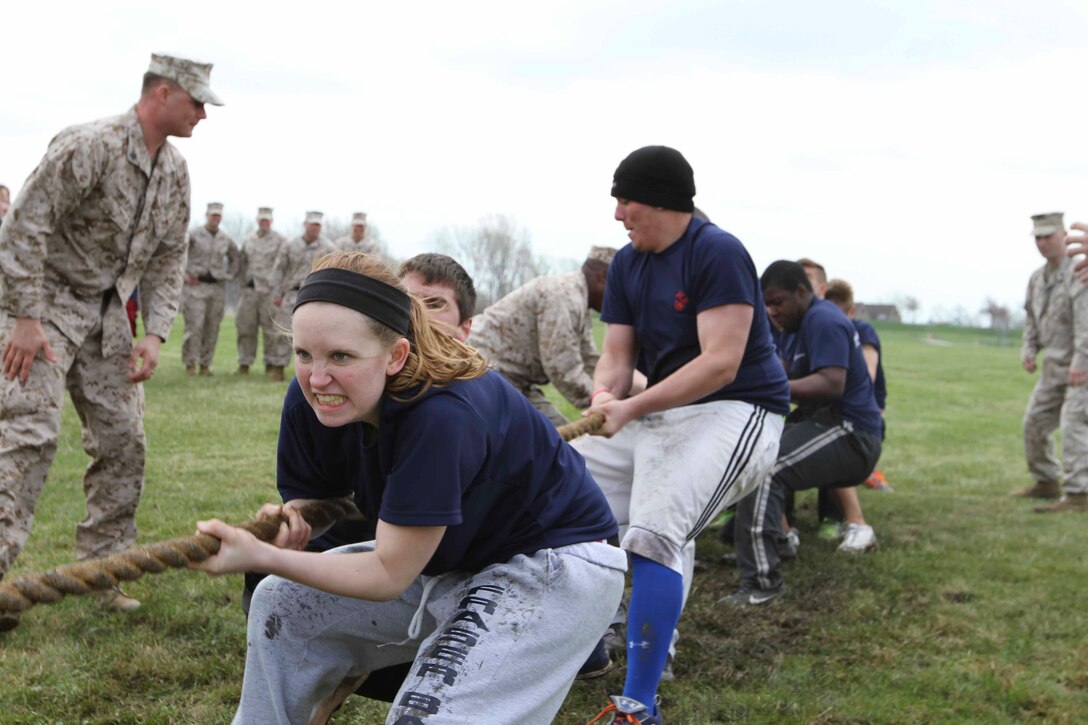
827 339
868 336
660 295
474 456
314 461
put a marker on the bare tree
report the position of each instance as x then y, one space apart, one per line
962 317
335 227
496 252
238 225
999 314
1000 317
547 265
910 304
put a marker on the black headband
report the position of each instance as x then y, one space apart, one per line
373 298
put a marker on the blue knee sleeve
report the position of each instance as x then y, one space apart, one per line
657 596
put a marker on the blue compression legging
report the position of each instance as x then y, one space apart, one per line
657 596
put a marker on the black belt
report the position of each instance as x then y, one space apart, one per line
207 279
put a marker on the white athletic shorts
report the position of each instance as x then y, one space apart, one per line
668 474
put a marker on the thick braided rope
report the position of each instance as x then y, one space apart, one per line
590 424
20 594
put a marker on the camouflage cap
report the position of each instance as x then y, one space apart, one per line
264 213
358 217
215 208
1047 224
192 76
315 217
602 254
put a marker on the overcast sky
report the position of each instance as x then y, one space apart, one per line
902 144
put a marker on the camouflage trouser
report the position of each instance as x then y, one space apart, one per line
1054 404
202 308
1075 439
255 312
110 409
541 403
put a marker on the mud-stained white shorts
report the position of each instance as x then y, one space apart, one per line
668 474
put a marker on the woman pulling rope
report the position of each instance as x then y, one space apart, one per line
488 570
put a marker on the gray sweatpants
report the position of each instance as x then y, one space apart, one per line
499 645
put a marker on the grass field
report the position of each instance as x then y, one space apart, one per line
972 610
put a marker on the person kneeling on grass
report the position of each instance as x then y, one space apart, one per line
488 569
831 439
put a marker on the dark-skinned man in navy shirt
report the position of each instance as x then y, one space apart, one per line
832 437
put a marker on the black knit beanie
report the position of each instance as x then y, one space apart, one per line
656 175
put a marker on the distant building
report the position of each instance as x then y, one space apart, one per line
877 313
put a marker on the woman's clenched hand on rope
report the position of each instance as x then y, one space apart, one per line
241 551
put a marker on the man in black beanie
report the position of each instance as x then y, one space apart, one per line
658 176
684 307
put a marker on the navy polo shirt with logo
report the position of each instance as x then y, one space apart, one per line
660 295
827 339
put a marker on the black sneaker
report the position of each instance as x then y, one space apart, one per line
747 596
597 665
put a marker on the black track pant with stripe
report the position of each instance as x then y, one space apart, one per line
811 455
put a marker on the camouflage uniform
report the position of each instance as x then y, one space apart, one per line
291 267
255 308
541 333
1057 322
213 259
96 218
365 245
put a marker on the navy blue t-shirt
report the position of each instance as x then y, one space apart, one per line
312 457
868 336
659 295
827 339
474 456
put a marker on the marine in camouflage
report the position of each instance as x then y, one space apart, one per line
542 332
98 217
289 271
1056 324
213 259
255 309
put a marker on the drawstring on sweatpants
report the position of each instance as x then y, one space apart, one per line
416 624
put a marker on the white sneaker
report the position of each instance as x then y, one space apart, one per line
794 537
857 539
788 550
667 673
